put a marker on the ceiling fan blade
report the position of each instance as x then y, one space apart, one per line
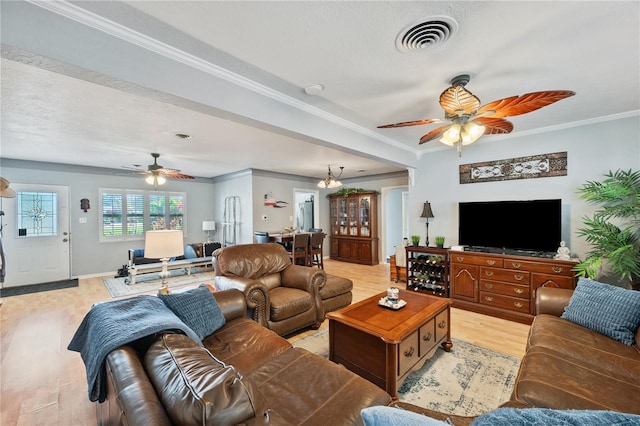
412 123
434 134
516 105
457 100
175 175
494 126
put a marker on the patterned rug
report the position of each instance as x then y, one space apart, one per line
467 381
151 283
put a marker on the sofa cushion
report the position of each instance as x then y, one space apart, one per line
197 308
196 388
306 389
288 302
245 344
550 379
610 310
545 416
584 345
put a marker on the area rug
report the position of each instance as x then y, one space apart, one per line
467 381
37 288
151 282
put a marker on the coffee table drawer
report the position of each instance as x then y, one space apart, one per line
427 337
408 353
442 325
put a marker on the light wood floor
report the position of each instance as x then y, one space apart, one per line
42 383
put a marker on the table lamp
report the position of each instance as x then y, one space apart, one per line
163 245
427 214
208 226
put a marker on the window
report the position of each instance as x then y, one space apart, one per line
127 214
37 213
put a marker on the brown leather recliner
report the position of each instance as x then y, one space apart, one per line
280 296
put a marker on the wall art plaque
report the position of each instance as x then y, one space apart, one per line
535 166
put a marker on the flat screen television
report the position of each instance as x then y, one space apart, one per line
533 225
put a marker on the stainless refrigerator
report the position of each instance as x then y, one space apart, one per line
304 218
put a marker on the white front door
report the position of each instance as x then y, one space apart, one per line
35 232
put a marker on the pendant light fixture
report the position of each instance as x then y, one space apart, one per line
331 181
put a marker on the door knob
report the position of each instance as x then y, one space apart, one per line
64 240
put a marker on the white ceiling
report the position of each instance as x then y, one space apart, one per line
106 83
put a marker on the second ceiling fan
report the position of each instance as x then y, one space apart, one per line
468 120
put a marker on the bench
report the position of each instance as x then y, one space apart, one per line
185 264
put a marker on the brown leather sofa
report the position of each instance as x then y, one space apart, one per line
285 385
567 366
280 296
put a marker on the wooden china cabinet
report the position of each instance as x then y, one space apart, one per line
354 227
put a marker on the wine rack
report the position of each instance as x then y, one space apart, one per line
428 270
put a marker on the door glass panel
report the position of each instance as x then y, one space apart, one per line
37 214
343 217
364 217
353 216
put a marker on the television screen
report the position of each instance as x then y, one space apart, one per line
533 225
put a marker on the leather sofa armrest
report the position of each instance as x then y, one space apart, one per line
551 300
232 303
131 398
308 279
255 293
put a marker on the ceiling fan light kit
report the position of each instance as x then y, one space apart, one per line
157 175
469 120
331 181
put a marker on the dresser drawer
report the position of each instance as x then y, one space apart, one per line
476 260
543 267
506 275
505 302
409 353
506 289
538 280
427 335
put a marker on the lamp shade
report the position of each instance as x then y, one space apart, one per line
162 244
208 225
426 211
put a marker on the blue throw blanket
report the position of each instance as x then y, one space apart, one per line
112 324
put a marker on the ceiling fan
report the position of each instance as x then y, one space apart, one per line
469 120
158 175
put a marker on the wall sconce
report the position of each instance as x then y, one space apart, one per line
84 205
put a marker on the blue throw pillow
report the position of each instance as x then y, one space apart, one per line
189 252
197 308
607 309
547 416
390 416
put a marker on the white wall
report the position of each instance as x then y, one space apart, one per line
592 150
89 256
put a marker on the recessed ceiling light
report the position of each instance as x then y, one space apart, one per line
182 136
313 89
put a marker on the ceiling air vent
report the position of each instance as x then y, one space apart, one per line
433 32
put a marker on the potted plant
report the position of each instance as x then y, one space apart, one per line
614 230
415 239
440 242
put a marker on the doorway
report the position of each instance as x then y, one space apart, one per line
306 209
394 221
35 233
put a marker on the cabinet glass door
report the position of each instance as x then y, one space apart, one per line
365 229
342 212
334 217
352 217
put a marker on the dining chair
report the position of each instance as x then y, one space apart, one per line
300 249
315 250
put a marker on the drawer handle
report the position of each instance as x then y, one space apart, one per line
487 285
442 324
557 269
491 262
459 259
518 304
410 352
489 273
427 337
518 277
488 298
516 265
518 290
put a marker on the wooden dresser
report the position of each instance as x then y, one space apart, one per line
504 285
397 272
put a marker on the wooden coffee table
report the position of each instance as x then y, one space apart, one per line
384 345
